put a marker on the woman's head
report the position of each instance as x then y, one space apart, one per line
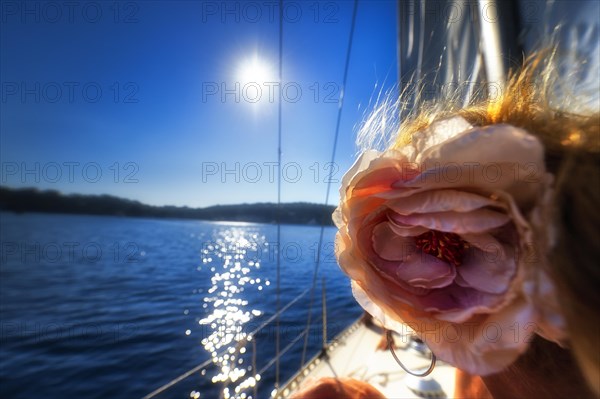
572 148
571 145
572 152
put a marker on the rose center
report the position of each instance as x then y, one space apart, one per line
448 247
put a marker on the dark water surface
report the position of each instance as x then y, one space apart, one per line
109 307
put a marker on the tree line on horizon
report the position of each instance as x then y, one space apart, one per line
51 201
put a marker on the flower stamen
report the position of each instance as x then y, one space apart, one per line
448 247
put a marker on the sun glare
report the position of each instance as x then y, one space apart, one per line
256 81
255 70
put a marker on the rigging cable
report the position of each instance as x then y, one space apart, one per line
333 152
276 316
278 290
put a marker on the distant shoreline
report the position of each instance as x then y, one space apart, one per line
154 218
50 201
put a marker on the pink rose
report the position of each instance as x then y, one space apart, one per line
436 235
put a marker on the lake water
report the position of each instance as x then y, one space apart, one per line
110 307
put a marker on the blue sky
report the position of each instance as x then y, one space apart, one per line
148 100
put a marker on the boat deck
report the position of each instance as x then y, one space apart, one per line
353 354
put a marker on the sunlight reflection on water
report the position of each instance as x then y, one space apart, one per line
232 257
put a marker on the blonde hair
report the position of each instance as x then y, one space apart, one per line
531 99
528 100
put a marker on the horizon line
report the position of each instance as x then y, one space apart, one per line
61 193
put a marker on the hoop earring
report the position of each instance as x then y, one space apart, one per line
390 343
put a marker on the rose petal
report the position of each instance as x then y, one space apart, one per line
338 217
487 272
367 266
382 173
362 163
478 221
485 345
422 270
464 300
390 246
383 177
359 207
439 201
407 231
497 158
376 311
489 344
485 242
380 275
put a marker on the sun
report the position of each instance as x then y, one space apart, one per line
256 82
256 71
